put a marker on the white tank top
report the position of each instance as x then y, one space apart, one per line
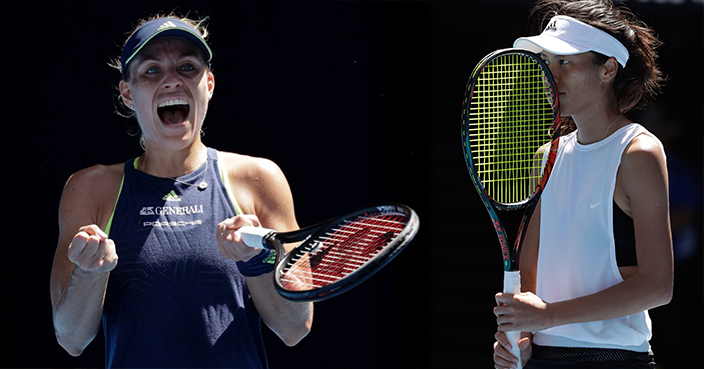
577 254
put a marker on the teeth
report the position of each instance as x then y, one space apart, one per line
173 102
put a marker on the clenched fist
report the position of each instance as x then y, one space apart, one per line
92 251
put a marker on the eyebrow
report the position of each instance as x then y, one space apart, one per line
146 56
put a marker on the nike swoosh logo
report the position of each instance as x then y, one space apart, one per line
592 206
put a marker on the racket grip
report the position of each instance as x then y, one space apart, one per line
512 284
254 236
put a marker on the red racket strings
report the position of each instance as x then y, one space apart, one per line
342 250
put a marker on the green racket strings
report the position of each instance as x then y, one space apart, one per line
509 119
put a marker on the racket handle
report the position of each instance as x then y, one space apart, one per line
512 284
254 236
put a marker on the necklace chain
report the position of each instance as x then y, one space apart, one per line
202 185
612 123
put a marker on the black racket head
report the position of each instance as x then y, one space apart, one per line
345 252
510 117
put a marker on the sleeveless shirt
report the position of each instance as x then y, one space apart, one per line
577 253
173 300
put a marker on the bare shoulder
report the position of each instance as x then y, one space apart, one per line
644 153
90 194
643 171
249 167
260 187
645 142
95 180
100 173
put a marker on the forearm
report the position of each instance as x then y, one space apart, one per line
290 320
78 312
637 293
528 313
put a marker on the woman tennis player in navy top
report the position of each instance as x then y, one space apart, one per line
149 247
598 251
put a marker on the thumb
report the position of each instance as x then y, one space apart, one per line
524 344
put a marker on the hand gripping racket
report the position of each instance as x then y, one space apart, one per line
338 254
510 124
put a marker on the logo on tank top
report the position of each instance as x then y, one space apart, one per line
171 210
174 216
171 196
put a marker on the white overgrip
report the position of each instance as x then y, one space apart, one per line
512 284
254 236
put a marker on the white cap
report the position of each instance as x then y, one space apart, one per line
567 36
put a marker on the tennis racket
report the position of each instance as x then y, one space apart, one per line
338 254
510 129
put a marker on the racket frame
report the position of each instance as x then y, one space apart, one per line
510 255
276 240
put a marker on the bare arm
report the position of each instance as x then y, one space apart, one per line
642 179
84 257
266 195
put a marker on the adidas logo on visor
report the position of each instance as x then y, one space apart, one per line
168 24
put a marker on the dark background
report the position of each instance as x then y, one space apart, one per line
358 103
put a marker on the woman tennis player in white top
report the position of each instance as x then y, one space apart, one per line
598 251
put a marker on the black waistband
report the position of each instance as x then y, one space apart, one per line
577 355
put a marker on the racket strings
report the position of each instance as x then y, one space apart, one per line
508 123
340 251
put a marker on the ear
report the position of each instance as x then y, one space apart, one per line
126 94
211 84
609 70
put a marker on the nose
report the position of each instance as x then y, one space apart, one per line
171 80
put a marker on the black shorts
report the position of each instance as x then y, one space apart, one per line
587 358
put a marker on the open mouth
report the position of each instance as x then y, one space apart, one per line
173 111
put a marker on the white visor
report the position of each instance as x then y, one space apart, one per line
568 36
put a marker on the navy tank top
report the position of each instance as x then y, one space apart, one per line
173 300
